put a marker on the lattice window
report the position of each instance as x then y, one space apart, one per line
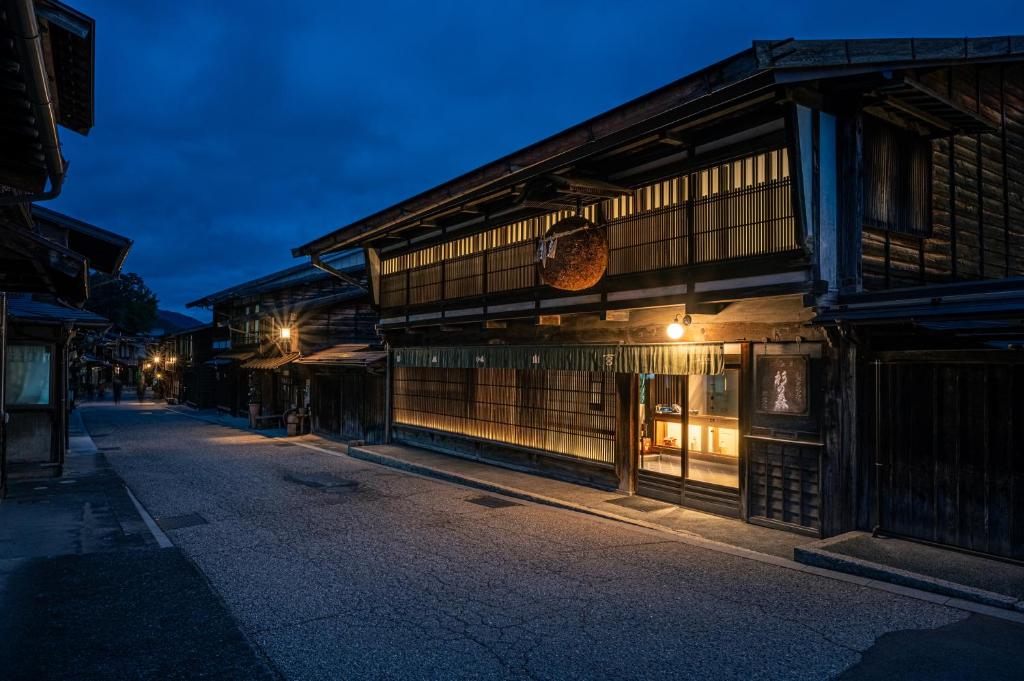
565 412
897 179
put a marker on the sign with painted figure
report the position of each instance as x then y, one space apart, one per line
782 384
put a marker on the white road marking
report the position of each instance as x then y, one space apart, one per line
154 529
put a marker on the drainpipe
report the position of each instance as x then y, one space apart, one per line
30 46
347 278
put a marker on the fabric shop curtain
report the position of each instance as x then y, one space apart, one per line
668 358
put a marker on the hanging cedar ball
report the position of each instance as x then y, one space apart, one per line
577 254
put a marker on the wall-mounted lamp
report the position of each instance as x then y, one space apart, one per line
156 359
676 329
286 332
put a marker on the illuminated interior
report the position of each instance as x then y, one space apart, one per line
711 406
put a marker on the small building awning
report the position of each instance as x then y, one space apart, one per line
25 308
668 358
271 362
344 355
88 359
226 358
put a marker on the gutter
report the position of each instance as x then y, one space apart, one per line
30 46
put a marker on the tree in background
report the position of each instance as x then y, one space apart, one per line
125 300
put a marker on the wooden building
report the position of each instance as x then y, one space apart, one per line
724 292
45 56
300 339
40 336
182 359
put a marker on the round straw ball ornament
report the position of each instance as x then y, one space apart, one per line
580 255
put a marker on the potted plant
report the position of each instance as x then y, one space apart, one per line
254 402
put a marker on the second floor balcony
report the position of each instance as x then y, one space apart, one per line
716 221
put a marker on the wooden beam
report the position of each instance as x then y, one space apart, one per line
549 320
705 308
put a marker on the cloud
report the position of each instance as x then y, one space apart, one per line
228 132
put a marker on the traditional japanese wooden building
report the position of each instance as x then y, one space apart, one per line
182 359
38 377
786 288
47 50
301 339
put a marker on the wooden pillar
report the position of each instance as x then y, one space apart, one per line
627 430
850 199
840 431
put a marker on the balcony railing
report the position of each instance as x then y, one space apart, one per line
726 226
240 340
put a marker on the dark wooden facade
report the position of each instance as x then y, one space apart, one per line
263 329
39 339
765 198
186 375
976 193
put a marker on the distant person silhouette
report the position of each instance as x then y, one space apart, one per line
118 388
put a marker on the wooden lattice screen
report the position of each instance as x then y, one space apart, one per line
566 412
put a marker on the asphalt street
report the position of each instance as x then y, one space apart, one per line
336 568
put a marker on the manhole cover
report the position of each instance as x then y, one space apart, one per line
641 504
177 522
324 481
491 502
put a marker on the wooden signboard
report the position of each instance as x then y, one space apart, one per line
782 384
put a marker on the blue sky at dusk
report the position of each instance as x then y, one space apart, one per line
228 132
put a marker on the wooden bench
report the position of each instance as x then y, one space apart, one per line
279 418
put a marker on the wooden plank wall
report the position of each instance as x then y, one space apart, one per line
977 191
337 324
951 438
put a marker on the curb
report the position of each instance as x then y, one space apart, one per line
962 598
821 558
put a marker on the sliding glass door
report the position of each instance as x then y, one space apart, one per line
690 440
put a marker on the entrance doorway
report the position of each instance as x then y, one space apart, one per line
689 449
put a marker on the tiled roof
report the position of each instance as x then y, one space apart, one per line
26 308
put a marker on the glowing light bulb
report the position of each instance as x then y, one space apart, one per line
675 330
286 332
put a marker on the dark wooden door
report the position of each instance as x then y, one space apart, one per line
352 397
951 448
327 404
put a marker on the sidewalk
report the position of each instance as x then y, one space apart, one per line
921 566
905 567
87 592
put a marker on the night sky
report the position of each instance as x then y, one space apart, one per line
228 132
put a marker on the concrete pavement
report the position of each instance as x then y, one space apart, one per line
86 592
338 568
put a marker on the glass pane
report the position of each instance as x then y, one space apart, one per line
28 374
661 443
712 431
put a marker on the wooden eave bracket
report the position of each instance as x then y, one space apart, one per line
910 98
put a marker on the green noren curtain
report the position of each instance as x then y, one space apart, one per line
674 358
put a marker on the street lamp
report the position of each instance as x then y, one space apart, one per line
286 332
